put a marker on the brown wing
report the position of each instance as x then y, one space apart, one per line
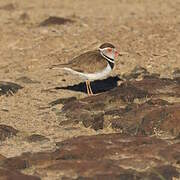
89 62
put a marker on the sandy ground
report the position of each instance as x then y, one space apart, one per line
146 33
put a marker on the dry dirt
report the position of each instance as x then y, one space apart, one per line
146 33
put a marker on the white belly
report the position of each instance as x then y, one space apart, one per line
92 76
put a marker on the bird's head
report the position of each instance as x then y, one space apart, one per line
108 51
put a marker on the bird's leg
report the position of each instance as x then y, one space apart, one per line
89 83
87 87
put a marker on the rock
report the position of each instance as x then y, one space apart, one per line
121 96
161 87
139 70
36 138
8 7
162 120
15 175
26 80
67 122
176 74
9 88
62 101
129 107
150 118
24 17
110 156
2 157
136 73
14 163
146 112
7 132
9 169
53 20
96 122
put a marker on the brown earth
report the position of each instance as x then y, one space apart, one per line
42 109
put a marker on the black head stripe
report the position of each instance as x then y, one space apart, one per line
106 45
108 58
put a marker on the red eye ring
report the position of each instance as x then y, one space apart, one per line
116 54
109 50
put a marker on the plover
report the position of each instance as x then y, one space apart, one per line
92 65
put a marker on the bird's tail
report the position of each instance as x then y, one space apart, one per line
58 66
61 67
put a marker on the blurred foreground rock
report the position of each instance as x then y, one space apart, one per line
111 156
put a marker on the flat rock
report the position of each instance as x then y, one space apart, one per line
2 157
134 107
9 88
161 87
8 7
150 118
176 74
26 80
14 163
15 175
9 169
24 17
7 132
110 156
53 20
36 138
136 72
62 101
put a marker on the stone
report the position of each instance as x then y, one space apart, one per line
2 157
9 88
136 72
53 20
14 163
150 118
26 80
103 156
15 175
7 132
129 107
111 156
163 120
161 87
8 7
176 74
96 123
36 138
62 101
24 17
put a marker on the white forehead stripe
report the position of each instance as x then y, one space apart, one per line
105 56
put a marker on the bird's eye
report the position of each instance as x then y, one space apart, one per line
109 50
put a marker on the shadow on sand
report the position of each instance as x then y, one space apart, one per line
97 86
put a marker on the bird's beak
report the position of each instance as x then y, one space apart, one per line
116 54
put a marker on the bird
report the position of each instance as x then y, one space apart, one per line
92 65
